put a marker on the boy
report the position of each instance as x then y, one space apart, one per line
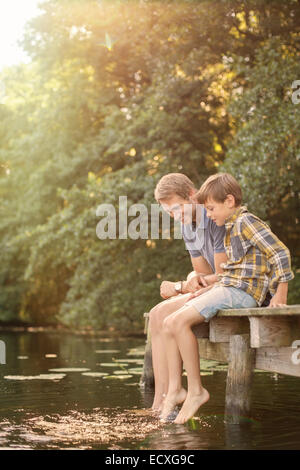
257 262
204 240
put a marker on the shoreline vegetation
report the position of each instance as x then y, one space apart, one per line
115 95
110 332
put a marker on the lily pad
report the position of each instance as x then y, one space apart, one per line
120 372
202 373
136 352
33 377
109 364
121 377
70 369
95 374
107 351
220 367
132 361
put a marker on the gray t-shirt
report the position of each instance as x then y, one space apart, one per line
205 240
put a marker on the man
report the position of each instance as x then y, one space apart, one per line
204 240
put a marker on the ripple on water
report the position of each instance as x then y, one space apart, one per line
101 427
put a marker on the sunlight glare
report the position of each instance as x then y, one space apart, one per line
13 16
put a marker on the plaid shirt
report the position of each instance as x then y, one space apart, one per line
257 259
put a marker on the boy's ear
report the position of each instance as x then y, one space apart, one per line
230 199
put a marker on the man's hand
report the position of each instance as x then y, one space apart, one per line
167 289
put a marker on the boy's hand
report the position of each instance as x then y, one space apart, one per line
278 301
199 292
194 283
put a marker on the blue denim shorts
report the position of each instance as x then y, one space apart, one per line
221 297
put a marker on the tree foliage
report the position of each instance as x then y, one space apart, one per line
117 94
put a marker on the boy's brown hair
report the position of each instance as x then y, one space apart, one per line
218 187
173 184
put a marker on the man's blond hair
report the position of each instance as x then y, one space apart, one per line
218 187
173 184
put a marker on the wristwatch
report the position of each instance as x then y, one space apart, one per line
178 287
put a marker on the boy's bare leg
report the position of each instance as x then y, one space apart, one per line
187 343
159 358
181 342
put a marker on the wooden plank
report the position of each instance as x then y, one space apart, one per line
215 351
281 360
239 379
201 330
247 312
273 330
147 377
221 329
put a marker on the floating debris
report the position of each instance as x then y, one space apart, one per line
50 355
22 357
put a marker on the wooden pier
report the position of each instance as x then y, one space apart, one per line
247 339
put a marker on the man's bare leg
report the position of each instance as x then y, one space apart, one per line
176 393
181 340
159 358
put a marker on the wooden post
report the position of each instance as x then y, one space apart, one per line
147 378
239 378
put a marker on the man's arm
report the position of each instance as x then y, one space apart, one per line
200 266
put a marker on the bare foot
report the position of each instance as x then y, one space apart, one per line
158 403
191 406
172 400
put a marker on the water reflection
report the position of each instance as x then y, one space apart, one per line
98 410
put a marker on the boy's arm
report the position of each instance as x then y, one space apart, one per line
280 297
219 258
206 280
277 253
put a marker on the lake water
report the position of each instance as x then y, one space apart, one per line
66 409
